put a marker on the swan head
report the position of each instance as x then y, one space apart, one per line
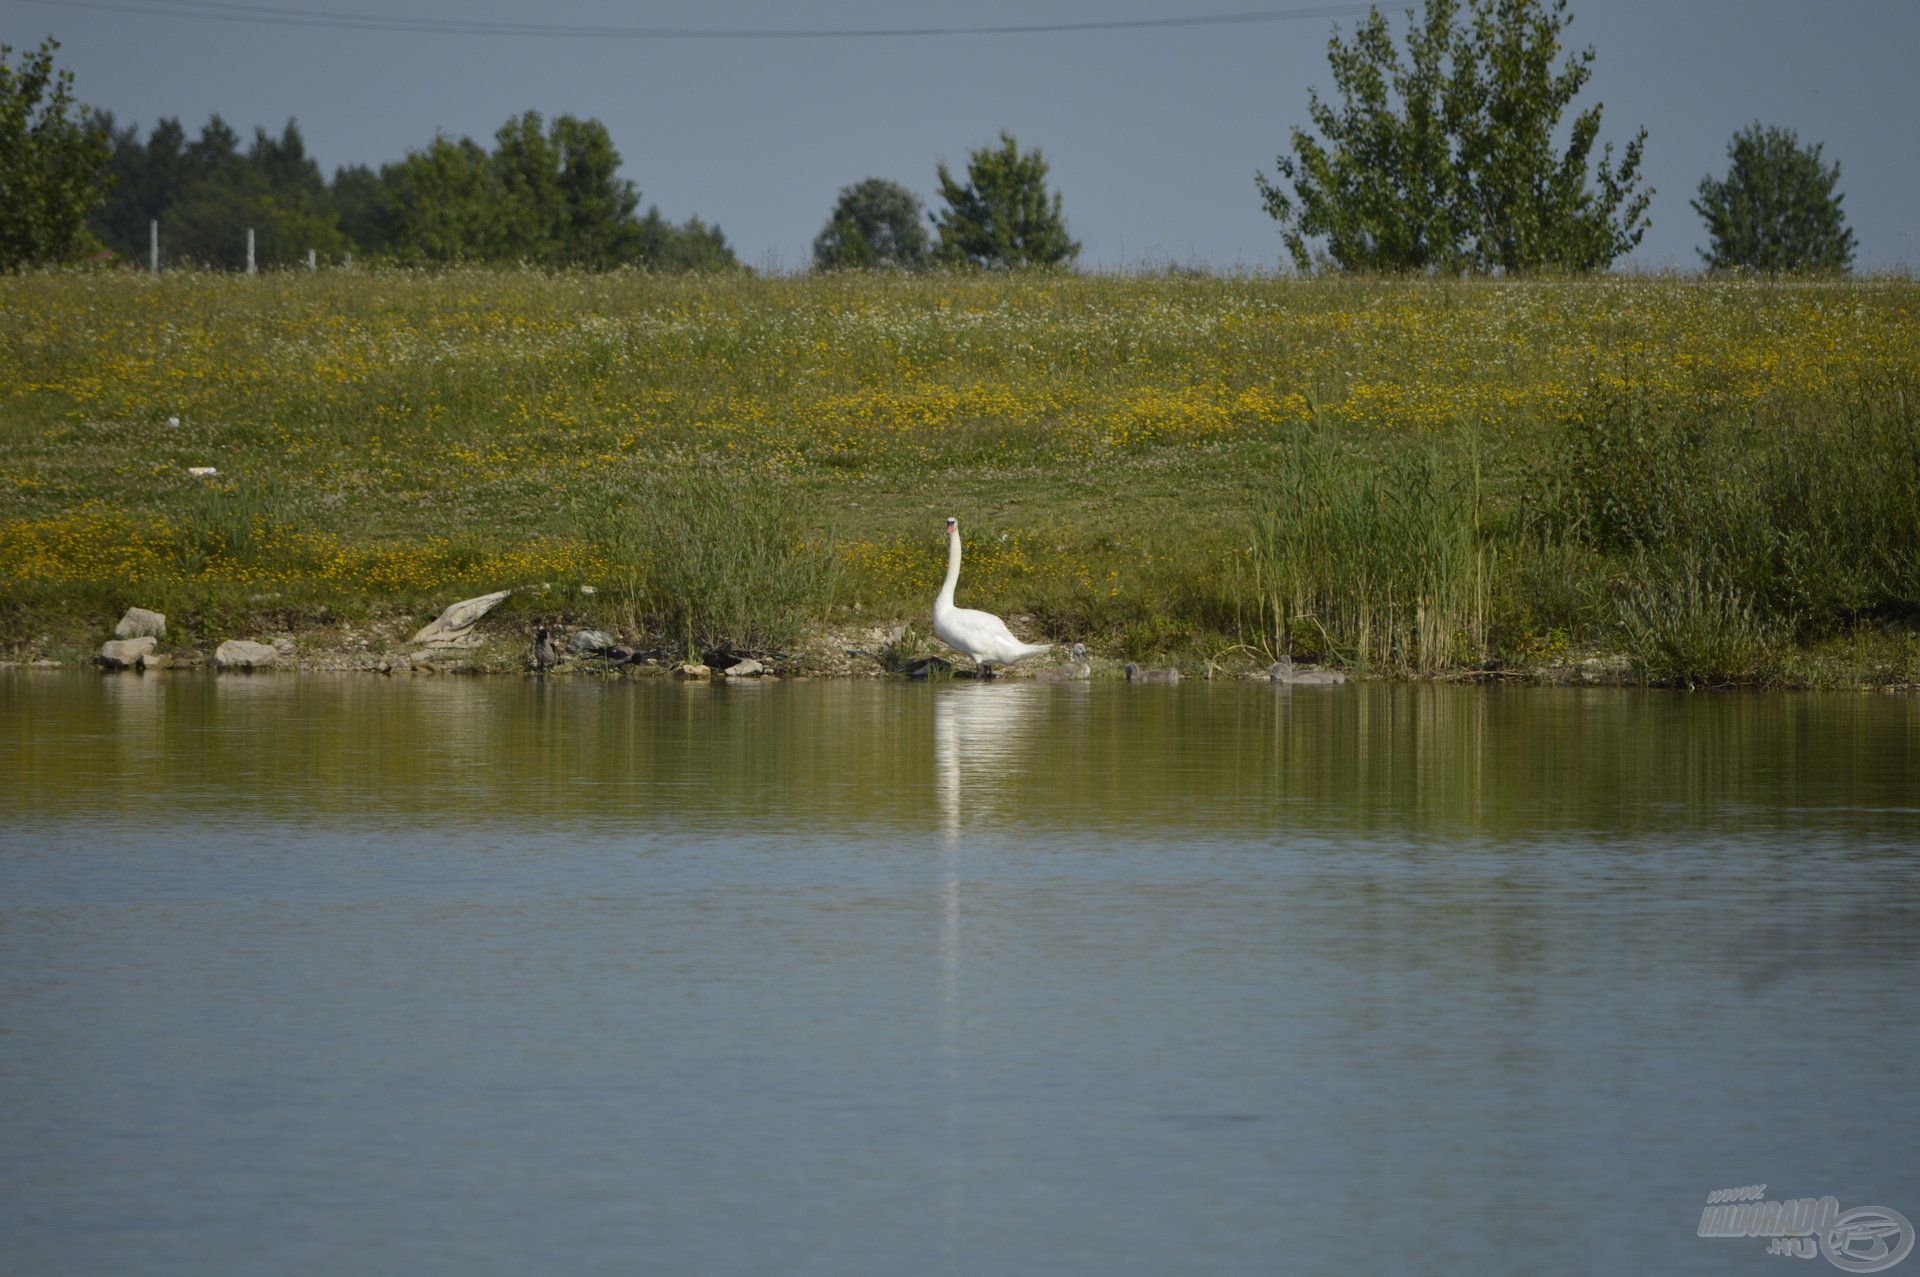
953 526
1079 653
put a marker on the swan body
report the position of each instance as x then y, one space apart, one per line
982 636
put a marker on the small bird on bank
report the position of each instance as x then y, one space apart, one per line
544 657
1282 671
1137 675
980 635
1076 668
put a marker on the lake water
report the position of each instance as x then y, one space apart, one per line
330 974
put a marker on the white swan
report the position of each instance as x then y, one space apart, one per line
980 635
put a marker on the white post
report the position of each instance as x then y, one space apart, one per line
249 250
153 244
312 262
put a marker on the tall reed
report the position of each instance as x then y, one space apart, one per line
711 558
1377 564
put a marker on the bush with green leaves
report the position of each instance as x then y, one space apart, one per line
1447 161
875 223
53 161
1777 209
1002 216
1806 519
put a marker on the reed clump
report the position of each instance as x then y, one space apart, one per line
711 558
1379 564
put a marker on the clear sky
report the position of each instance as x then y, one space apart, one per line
1154 134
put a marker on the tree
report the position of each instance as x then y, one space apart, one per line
442 204
549 195
1446 160
1002 216
53 161
694 246
596 205
360 202
875 223
1777 210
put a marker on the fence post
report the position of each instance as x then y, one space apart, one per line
312 262
153 244
249 250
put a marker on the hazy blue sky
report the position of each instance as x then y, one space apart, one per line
1154 135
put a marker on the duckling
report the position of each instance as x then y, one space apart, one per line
1282 671
1077 667
1137 675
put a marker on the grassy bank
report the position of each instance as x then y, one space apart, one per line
1715 481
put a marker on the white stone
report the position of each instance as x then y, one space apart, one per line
243 654
120 654
139 623
454 627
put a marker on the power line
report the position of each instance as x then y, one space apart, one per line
229 11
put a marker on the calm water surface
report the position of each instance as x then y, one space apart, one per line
332 974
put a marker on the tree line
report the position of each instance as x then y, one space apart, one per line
549 194
1441 160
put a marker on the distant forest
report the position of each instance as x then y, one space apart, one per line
545 194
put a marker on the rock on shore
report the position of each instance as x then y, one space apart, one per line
243 654
123 654
140 623
454 627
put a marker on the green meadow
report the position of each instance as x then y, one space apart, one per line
1702 482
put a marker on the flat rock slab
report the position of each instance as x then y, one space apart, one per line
454 627
590 641
244 654
748 668
140 623
694 671
123 654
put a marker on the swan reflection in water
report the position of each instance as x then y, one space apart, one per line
980 735
979 743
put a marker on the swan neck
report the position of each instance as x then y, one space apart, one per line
953 572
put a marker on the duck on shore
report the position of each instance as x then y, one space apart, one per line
544 657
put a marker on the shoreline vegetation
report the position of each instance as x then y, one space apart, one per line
1695 482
